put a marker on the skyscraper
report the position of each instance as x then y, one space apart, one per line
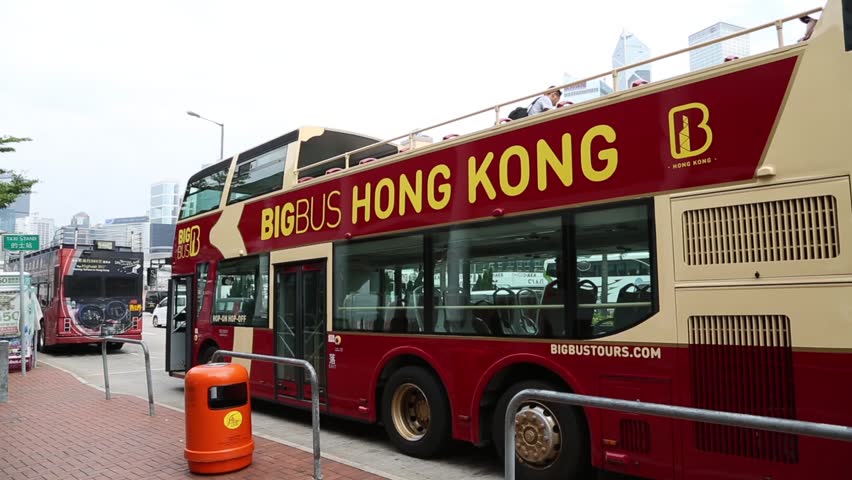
579 92
80 219
628 50
20 208
165 202
716 53
35 225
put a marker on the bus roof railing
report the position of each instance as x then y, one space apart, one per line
778 24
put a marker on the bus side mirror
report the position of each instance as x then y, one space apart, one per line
152 277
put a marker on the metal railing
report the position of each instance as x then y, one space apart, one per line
4 371
104 341
778 24
312 374
772 424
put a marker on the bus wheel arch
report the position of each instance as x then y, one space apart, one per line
568 422
413 404
205 351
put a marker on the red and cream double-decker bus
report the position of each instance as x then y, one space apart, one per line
719 198
87 291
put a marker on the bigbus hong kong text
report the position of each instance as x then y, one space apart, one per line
487 174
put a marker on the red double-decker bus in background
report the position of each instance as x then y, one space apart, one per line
87 291
687 242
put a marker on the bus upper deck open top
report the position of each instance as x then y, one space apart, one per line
682 242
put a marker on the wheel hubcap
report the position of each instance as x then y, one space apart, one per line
538 437
410 412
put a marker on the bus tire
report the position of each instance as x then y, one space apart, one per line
154 322
416 412
207 354
41 344
114 346
564 437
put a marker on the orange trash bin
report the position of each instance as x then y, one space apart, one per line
218 418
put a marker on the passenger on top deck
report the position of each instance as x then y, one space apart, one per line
545 102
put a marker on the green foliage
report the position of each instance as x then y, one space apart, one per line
18 184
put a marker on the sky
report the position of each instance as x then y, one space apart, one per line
102 87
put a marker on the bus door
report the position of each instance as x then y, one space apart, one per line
300 326
179 324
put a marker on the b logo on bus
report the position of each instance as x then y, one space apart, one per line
189 242
685 124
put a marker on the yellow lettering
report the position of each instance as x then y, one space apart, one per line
313 212
335 209
524 157
288 223
277 227
546 157
266 225
479 175
385 184
444 188
414 194
360 203
610 155
302 214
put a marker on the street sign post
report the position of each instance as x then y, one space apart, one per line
22 243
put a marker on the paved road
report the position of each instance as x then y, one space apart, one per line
352 443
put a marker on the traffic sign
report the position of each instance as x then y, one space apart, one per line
20 243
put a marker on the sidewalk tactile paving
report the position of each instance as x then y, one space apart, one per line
54 427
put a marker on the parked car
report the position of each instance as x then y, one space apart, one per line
160 315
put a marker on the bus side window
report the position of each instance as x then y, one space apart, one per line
624 297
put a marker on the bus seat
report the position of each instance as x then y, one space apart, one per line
731 58
626 315
564 103
399 322
587 293
550 321
450 136
333 170
305 179
639 82
505 120
505 316
366 161
480 327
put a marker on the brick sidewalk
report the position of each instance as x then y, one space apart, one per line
56 428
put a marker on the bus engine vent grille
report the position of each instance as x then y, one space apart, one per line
775 231
743 364
635 435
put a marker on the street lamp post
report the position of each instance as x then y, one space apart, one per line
221 132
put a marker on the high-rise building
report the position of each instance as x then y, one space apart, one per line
165 202
579 92
35 225
628 50
80 219
20 208
716 53
133 232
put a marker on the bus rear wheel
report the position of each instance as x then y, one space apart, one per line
416 412
551 440
41 344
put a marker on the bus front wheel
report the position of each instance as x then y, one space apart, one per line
550 439
416 412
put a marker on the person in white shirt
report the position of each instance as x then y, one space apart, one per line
545 102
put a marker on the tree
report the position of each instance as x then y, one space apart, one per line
17 184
